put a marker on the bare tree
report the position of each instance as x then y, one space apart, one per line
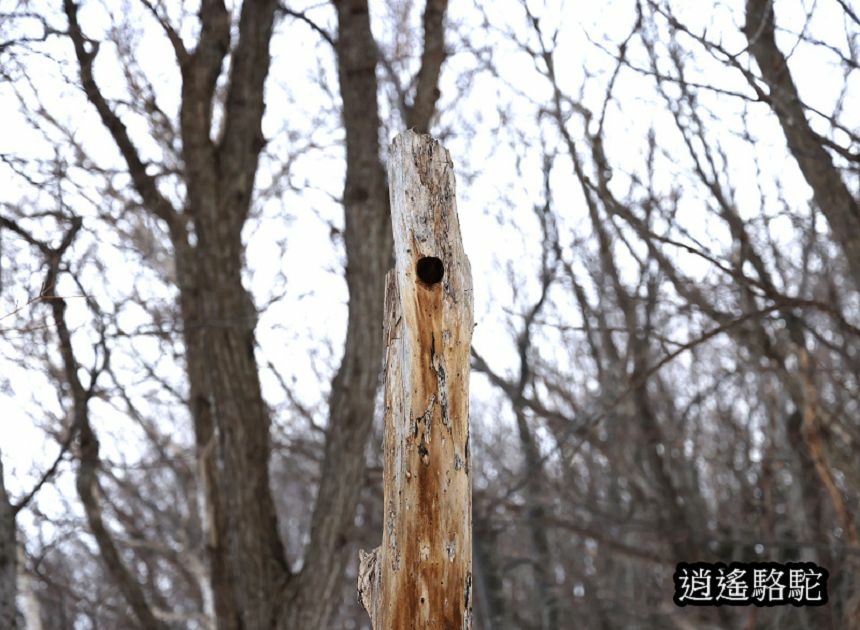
251 582
660 209
739 459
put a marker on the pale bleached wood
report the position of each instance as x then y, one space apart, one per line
421 575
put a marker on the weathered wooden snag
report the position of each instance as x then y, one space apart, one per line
421 575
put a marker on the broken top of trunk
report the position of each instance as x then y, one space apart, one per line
421 576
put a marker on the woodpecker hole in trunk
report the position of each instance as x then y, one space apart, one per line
430 270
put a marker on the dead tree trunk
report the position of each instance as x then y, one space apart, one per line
421 576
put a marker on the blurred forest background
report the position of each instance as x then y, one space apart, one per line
660 202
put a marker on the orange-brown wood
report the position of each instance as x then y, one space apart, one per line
421 576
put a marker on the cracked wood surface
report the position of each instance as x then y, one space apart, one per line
421 575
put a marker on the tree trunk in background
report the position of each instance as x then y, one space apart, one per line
491 606
832 196
367 239
842 212
8 559
535 498
231 420
246 554
251 583
421 576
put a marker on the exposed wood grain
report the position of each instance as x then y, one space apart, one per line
421 576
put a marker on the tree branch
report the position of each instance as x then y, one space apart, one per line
242 139
832 196
87 480
420 113
302 16
144 183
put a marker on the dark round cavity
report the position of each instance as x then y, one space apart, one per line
430 269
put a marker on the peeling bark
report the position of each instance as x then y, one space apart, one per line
421 576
